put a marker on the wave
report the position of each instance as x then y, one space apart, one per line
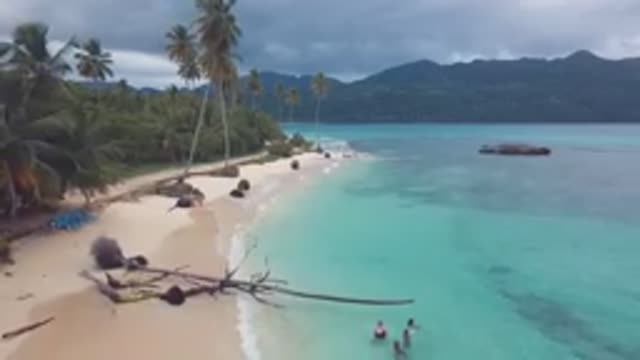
246 310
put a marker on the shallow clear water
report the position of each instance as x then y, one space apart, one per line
507 258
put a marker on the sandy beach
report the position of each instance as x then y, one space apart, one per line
44 282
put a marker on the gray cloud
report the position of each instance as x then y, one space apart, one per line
346 38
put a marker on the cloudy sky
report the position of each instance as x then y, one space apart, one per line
348 39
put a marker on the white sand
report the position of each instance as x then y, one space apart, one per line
45 282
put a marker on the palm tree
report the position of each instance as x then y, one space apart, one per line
182 50
293 100
255 87
89 146
21 154
180 47
320 89
29 55
218 36
189 71
93 63
281 97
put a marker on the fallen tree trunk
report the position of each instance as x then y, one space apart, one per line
261 286
25 329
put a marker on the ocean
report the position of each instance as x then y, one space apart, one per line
506 257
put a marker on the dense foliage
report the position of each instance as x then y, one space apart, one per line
57 135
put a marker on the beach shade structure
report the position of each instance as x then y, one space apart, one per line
237 193
244 185
71 220
295 165
107 253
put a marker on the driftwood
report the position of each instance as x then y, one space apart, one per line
25 329
259 287
262 285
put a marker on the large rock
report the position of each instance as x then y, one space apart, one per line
515 149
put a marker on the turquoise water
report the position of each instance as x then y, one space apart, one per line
507 258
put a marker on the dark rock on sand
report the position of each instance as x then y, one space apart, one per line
295 165
174 296
515 149
107 253
237 193
244 185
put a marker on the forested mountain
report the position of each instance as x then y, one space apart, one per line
579 88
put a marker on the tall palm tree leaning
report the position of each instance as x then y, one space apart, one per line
293 99
255 87
281 97
218 35
93 63
181 49
320 89
27 54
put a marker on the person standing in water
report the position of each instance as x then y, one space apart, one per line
398 351
380 332
406 338
411 325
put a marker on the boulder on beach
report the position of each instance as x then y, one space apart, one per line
237 193
244 185
295 165
107 253
515 149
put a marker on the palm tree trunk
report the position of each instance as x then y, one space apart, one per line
291 113
317 121
253 103
280 112
225 127
196 134
13 197
87 197
26 98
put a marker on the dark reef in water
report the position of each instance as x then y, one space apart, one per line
499 270
515 149
558 323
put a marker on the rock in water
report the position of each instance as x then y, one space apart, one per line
515 149
107 253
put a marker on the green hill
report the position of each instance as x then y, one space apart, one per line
579 88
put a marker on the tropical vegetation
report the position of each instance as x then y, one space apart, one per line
59 135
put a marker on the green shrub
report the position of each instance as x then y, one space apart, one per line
298 141
280 149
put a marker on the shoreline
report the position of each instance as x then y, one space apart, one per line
87 326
